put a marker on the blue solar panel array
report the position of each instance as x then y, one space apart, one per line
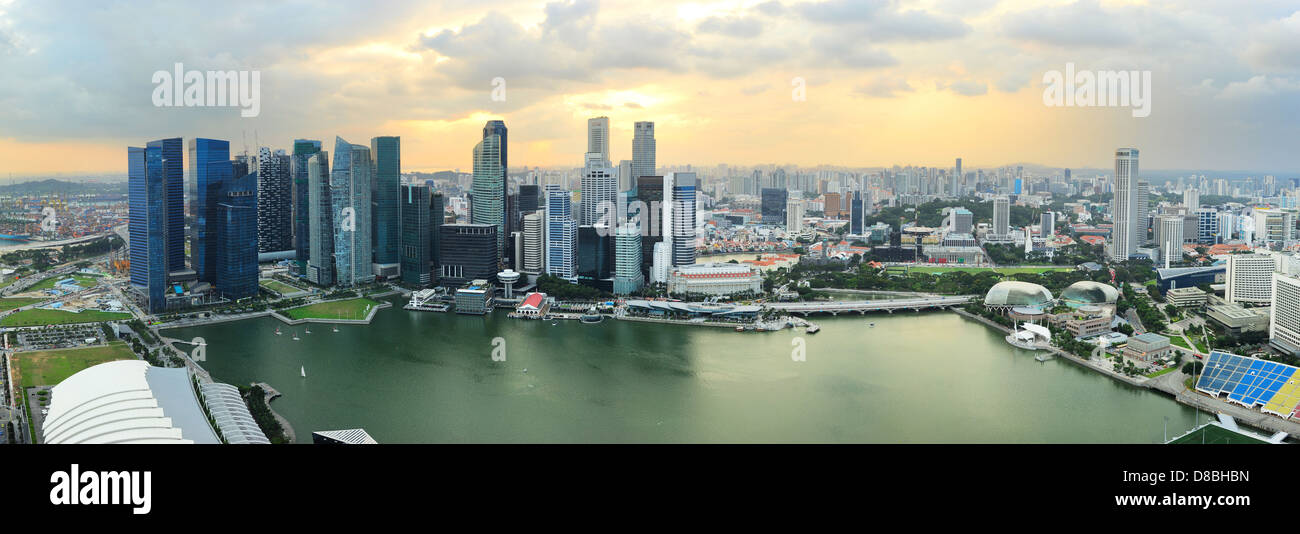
1247 381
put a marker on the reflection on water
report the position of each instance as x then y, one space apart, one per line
927 377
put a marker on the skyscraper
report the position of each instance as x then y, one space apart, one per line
1047 224
468 253
561 235
204 190
320 264
650 196
350 195
1192 199
303 149
148 223
772 205
598 138
1171 239
679 216
1143 213
386 223
236 235
488 188
533 253
1002 217
599 192
956 180
643 149
274 201
857 214
1124 207
416 250
627 260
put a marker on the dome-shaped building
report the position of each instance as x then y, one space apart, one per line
1089 293
1013 293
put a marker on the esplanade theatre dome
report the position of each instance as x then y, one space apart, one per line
1087 292
1015 293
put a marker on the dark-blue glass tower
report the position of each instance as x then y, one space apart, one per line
171 166
384 183
236 235
147 223
204 188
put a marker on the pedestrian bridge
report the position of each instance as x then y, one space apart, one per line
836 308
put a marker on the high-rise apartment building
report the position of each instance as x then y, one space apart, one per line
1002 217
1124 207
1143 209
533 253
274 201
1171 238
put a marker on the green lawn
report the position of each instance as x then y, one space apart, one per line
1161 372
49 367
1001 270
356 308
1177 340
1215 435
40 317
280 287
7 304
84 280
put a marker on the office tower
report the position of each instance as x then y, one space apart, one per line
956 180
350 195
1002 217
386 221
1284 319
416 250
1171 238
625 179
147 223
650 198
204 188
1124 207
1274 227
794 216
595 256
1192 199
643 150
857 214
489 186
1207 227
598 139
320 227
468 253
599 192
274 201
832 206
533 239
529 199
170 166
1250 279
1142 213
1047 224
303 150
437 217
679 216
561 234
627 260
773 205
1227 226
662 265
236 235
960 221
1017 188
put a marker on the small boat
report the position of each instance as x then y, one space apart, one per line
553 323
336 329
813 329
871 325
525 369
740 329
303 370
306 331
1041 358
295 335
277 331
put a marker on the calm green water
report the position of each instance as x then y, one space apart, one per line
914 378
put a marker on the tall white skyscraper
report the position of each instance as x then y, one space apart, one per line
599 191
1124 207
679 216
1171 238
561 235
1192 199
534 257
598 137
643 149
1142 213
794 216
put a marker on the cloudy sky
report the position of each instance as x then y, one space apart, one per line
886 82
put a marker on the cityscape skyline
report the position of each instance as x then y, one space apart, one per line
717 78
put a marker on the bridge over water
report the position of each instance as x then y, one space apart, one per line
862 307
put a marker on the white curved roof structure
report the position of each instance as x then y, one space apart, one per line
129 401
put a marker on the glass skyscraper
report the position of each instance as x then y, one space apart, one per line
320 262
147 223
417 243
236 235
205 154
643 149
350 194
561 234
488 206
679 216
171 166
387 223
303 149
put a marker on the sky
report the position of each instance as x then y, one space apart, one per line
883 82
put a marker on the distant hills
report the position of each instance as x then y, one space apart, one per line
52 186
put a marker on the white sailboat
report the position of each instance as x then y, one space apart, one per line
277 330
295 335
336 328
307 330
303 370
